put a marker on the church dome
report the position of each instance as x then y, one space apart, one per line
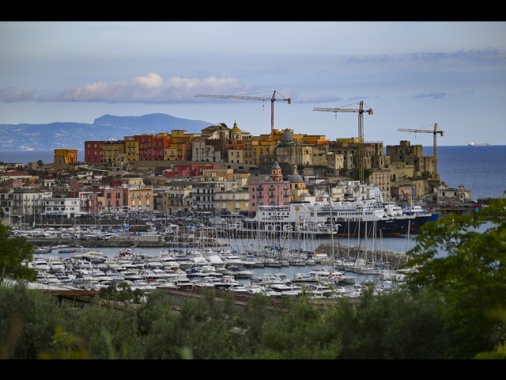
287 136
295 176
235 129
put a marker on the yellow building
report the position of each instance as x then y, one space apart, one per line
262 148
131 148
111 150
139 198
64 157
178 145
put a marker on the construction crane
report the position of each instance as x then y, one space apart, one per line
361 112
435 132
406 197
246 97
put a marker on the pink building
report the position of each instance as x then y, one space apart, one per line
113 199
274 192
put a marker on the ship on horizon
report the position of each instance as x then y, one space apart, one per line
472 143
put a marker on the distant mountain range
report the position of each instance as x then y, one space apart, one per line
68 135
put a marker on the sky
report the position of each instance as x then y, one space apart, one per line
412 75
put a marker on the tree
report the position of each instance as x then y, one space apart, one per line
390 325
15 253
461 261
28 320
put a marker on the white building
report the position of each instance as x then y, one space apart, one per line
62 207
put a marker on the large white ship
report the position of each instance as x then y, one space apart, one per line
472 143
346 218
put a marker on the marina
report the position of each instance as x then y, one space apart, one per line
238 265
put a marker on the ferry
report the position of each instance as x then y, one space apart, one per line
346 218
472 143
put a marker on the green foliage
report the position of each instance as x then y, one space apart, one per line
251 324
28 320
498 353
199 329
67 346
354 173
499 350
397 325
302 333
107 333
15 253
158 327
121 292
209 327
468 281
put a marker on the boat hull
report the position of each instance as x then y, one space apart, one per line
420 220
385 227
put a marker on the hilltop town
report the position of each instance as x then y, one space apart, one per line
212 172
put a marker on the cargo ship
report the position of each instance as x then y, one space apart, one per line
478 144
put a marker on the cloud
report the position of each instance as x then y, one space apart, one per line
433 95
371 60
314 79
476 57
11 96
150 88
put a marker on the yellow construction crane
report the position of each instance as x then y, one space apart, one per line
246 97
435 132
406 197
360 111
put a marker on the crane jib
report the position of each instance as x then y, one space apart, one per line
246 97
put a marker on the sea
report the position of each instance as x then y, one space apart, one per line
480 169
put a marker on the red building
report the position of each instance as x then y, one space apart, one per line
93 152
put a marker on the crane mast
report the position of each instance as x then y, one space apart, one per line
272 99
434 132
360 111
